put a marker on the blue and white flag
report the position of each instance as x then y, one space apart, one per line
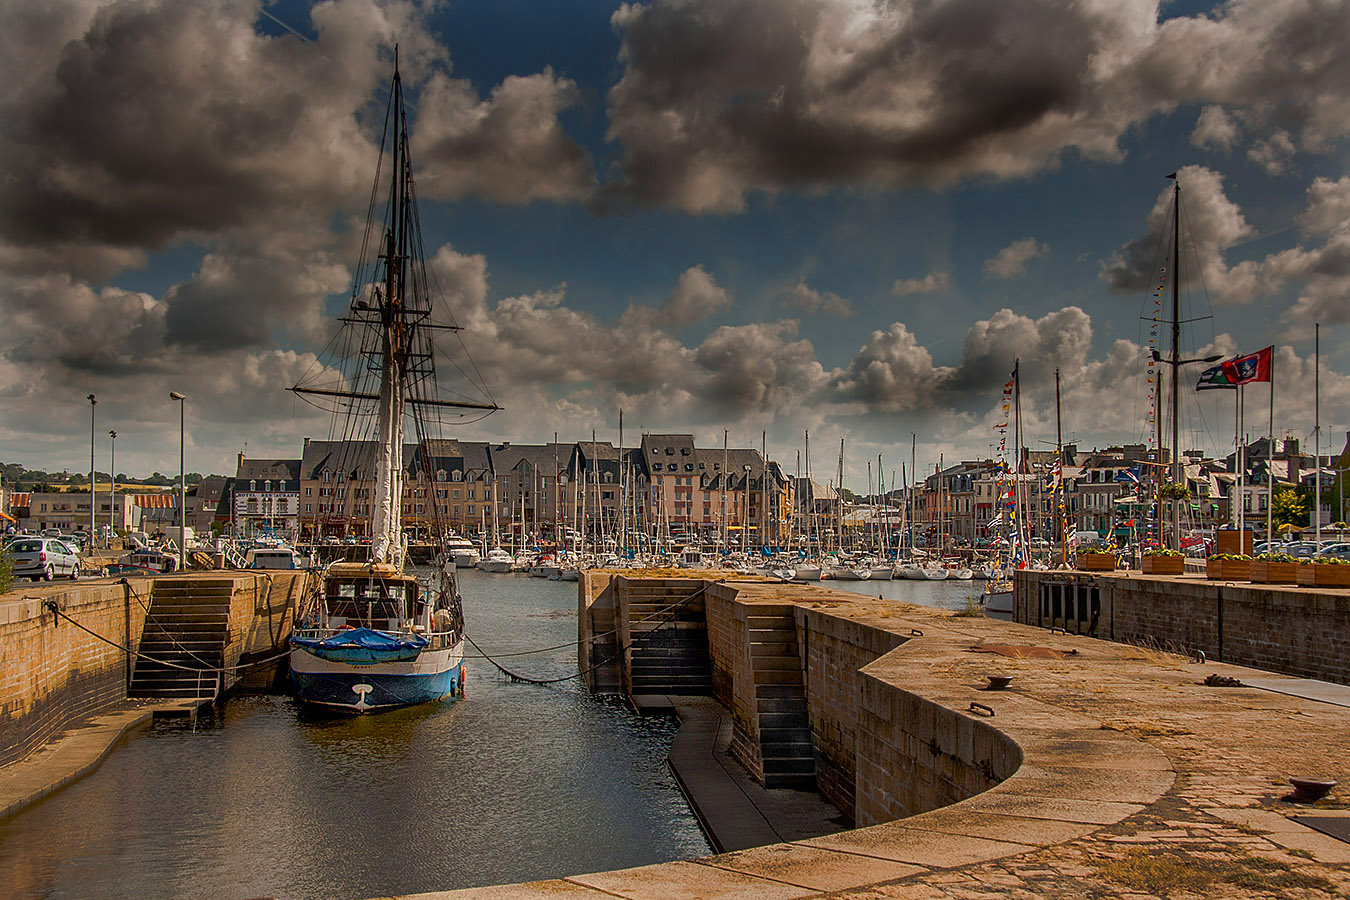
1130 475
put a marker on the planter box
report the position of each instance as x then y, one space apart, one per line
1095 562
1163 565
1228 569
1265 572
1323 575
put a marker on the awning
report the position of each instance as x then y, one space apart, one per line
7 518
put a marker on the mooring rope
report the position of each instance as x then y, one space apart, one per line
669 616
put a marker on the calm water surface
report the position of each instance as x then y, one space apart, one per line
514 783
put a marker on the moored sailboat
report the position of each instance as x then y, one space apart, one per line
375 636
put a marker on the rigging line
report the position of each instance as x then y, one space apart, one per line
160 625
51 606
579 673
659 613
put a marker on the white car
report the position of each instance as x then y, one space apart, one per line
44 558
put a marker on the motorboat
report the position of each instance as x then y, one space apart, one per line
497 561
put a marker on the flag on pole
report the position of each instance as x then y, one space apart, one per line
1215 377
1249 368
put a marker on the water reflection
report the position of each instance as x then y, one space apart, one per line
513 783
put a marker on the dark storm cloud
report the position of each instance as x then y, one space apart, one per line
169 119
723 97
141 123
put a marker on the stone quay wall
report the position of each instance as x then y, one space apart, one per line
881 752
52 674
834 651
1279 628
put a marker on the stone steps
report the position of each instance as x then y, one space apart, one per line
185 631
786 752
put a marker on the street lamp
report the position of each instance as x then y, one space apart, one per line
182 483
112 477
92 494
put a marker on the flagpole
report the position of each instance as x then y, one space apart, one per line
1270 467
1242 466
1237 456
1317 434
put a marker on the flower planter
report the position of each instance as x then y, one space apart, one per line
1323 575
1095 562
1163 565
1228 569
1266 572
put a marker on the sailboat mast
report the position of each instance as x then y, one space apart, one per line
386 527
1019 487
840 491
1176 357
1059 477
810 494
909 497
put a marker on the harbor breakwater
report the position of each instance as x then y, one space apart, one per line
1292 630
974 754
54 672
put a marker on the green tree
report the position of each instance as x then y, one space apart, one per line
1290 507
6 571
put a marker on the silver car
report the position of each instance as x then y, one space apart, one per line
44 558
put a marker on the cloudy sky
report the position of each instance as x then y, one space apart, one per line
847 216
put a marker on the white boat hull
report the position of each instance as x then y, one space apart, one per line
353 688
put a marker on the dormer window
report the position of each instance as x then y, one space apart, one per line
670 451
440 474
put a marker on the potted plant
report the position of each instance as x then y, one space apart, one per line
1173 491
1274 568
1328 572
1228 567
1163 562
1095 559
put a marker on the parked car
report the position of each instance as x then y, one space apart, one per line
44 558
1334 551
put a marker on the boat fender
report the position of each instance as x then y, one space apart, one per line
462 668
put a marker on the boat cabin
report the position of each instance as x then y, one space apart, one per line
370 596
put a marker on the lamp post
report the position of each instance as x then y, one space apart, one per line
93 531
1176 365
182 483
112 487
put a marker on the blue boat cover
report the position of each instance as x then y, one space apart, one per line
363 645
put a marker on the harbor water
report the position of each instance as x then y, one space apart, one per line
515 782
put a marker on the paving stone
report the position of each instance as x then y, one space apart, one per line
823 870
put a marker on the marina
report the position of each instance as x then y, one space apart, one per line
941 773
475 360
260 798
